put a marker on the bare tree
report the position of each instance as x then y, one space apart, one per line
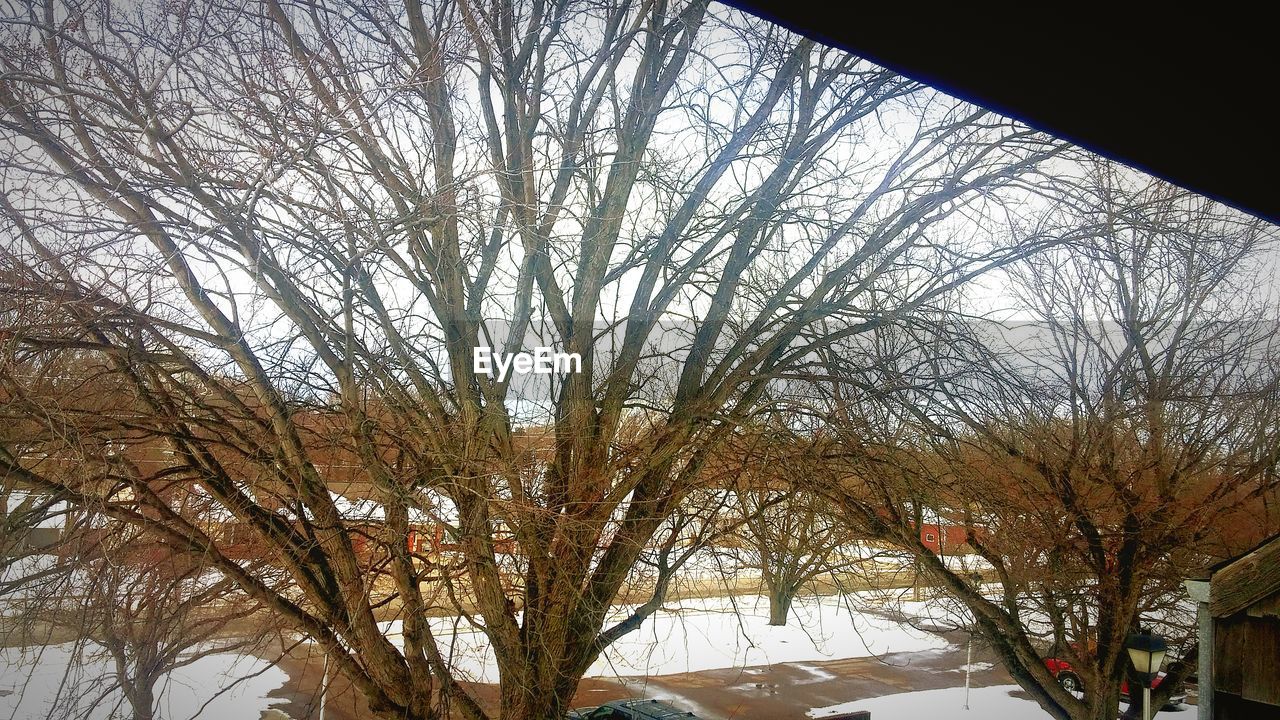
158 614
791 535
793 538
282 230
1099 453
130 605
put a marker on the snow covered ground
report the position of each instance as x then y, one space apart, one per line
704 634
684 636
709 633
987 703
47 682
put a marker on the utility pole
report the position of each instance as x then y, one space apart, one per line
976 579
968 668
324 685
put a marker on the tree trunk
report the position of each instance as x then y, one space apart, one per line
780 598
535 701
143 700
1105 705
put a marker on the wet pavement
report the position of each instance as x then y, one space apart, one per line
784 691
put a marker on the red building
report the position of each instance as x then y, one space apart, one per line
946 539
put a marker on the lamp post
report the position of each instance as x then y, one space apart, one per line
1146 652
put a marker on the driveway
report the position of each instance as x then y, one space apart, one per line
783 691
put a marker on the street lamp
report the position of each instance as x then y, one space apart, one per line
1146 652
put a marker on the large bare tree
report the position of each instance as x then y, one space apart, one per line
282 229
1118 438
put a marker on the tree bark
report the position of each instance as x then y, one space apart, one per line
142 699
780 598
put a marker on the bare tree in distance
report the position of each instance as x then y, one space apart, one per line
791 535
281 226
1118 442
129 606
793 538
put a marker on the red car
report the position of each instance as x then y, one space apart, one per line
1071 682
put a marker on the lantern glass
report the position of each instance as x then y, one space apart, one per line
1141 660
1146 652
1157 660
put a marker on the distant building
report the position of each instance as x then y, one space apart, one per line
945 539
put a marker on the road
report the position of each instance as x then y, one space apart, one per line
786 691
783 691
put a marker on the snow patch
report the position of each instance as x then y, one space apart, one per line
987 703
975 667
710 633
816 674
55 681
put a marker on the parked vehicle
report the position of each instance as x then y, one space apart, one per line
634 709
1070 681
